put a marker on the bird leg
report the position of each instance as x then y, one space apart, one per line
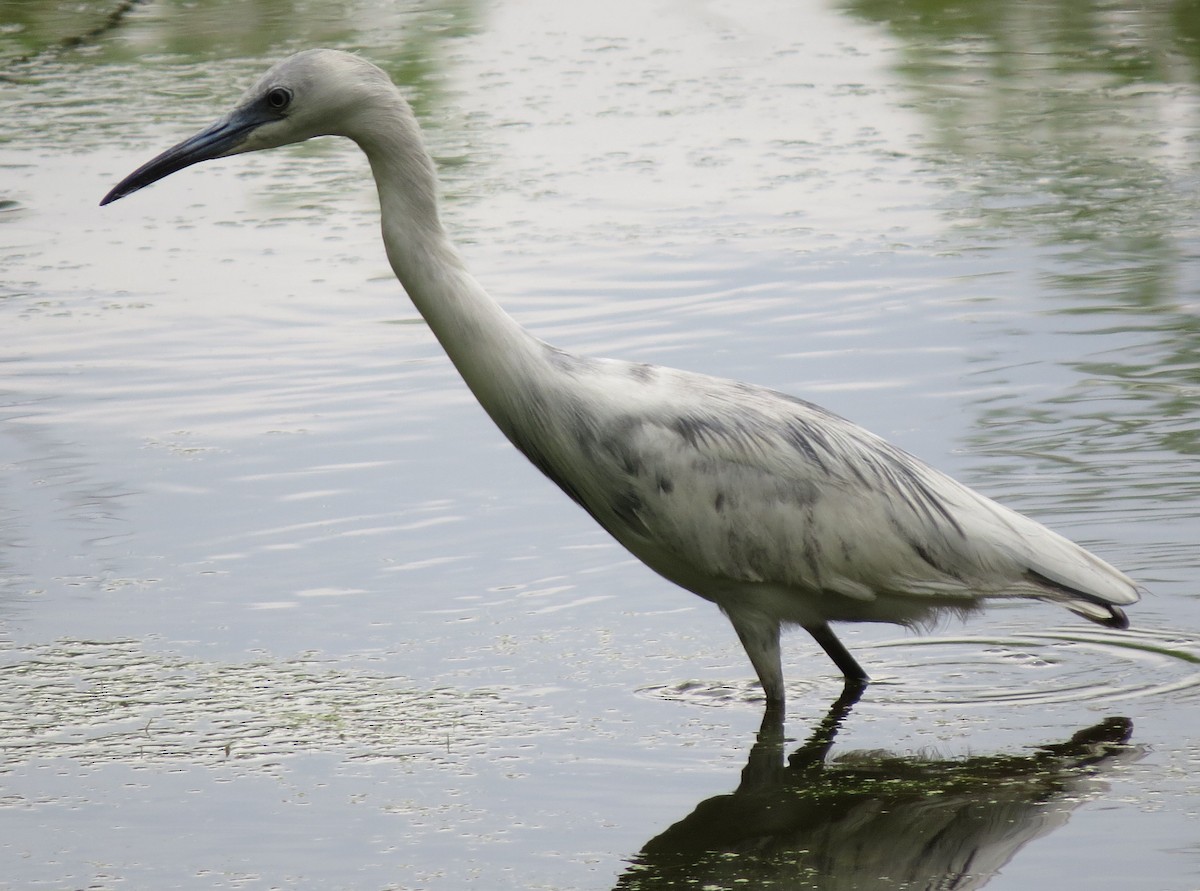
841 657
760 638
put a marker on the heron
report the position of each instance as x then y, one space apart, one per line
778 511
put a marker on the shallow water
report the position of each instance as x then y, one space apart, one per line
280 609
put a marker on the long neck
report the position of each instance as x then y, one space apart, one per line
495 355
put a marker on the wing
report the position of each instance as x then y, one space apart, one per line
706 479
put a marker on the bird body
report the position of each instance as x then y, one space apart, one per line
775 509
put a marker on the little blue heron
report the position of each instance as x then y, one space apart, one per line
773 508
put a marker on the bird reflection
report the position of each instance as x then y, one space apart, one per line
869 820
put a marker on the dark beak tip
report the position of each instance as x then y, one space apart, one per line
119 191
114 194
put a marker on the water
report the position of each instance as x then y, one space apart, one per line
280 609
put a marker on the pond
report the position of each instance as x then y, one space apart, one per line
280 608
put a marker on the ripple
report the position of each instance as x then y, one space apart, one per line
713 694
1051 666
1057 665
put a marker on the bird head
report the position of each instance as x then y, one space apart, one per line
317 92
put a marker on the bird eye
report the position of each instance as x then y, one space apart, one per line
279 97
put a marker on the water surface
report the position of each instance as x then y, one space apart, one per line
279 608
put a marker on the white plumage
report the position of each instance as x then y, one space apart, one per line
776 510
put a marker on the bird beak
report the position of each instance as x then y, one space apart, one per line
222 138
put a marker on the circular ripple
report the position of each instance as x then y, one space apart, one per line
721 693
1054 665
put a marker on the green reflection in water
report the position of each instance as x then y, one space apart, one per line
29 29
1068 129
406 39
1072 121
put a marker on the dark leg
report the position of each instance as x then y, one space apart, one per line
838 653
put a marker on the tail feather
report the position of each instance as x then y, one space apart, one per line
1117 619
1107 615
1083 603
1058 569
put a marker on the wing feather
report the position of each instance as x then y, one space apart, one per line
710 479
